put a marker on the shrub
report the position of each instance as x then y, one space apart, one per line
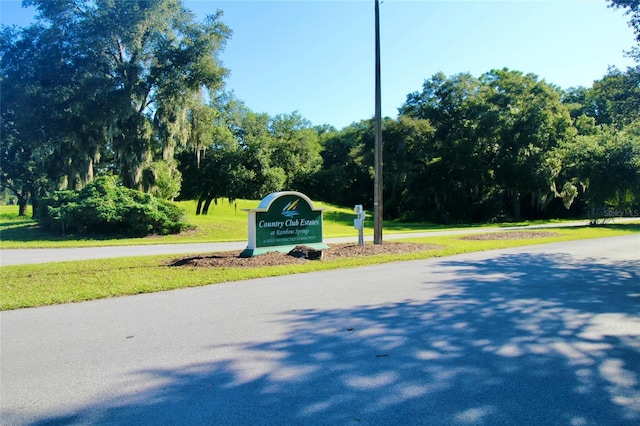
104 207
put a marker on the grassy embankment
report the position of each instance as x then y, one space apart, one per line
25 286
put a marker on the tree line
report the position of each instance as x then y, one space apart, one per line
135 89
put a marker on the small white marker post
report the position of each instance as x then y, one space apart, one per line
358 223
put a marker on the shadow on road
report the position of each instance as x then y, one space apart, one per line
520 339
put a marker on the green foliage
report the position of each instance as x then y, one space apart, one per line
296 148
633 11
162 179
490 146
120 86
606 166
97 85
527 120
407 157
617 97
106 208
451 174
346 178
248 155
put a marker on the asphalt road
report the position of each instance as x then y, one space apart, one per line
539 335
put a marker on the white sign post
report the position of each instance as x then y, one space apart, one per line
358 223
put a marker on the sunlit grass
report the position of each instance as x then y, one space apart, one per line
24 286
226 221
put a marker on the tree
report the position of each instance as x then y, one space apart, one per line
346 177
248 155
633 10
119 78
211 163
19 172
605 167
616 97
451 176
580 101
407 155
491 144
296 148
34 95
523 121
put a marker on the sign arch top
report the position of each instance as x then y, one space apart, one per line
266 202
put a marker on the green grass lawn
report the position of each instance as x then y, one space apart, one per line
23 286
225 222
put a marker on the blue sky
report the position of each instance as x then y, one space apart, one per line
317 57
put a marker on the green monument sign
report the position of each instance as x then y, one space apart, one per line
282 221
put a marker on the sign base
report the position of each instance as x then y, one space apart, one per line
249 252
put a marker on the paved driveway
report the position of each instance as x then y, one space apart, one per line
537 335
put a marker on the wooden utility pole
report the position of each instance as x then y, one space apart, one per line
377 195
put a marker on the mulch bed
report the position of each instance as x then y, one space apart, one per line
337 251
511 235
302 254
